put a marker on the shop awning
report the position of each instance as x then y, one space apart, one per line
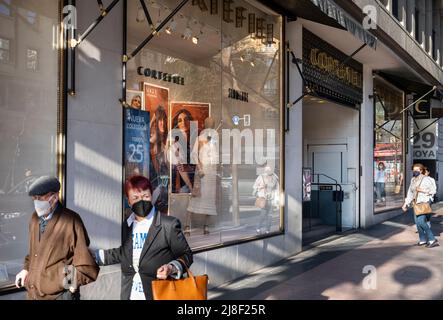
328 13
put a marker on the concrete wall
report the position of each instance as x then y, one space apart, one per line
399 36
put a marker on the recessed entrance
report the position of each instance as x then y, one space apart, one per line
331 144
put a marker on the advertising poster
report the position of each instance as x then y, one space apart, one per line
136 142
157 104
307 180
182 114
135 99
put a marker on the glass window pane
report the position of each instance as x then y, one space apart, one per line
28 129
205 68
388 152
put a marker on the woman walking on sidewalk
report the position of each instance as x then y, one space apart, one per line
420 191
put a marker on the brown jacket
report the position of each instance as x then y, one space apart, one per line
65 242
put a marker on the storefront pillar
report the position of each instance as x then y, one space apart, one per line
293 146
367 139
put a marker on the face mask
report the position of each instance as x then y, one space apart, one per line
416 173
42 207
142 208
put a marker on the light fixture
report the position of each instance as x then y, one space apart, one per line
171 28
195 39
187 34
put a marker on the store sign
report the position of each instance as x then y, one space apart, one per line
160 75
422 109
425 143
257 26
238 95
327 76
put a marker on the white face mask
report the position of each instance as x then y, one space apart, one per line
42 207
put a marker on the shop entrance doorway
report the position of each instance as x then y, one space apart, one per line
331 142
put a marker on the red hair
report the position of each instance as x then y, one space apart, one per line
139 183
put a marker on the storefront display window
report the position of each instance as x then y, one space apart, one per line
210 81
28 120
388 147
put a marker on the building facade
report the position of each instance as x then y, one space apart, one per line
204 97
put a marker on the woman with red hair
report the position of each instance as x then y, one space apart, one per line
153 244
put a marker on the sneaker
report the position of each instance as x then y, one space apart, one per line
432 244
422 243
258 231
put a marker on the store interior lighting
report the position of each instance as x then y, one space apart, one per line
171 28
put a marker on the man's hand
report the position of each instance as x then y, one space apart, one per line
20 278
165 271
404 208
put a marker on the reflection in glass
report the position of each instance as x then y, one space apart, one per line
388 151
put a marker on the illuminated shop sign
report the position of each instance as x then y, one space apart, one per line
160 75
327 76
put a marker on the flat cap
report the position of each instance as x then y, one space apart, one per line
44 185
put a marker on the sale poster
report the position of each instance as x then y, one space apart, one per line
136 142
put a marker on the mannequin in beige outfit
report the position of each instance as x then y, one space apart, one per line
203 200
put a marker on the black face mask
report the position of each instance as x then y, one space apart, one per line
142 208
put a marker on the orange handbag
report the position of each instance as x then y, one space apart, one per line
190 288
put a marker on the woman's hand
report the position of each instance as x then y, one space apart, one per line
165 271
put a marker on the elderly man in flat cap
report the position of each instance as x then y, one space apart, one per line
58 260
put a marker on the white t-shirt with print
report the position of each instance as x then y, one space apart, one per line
139 235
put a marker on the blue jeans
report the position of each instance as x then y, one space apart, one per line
424 232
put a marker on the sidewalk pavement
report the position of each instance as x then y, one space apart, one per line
339 269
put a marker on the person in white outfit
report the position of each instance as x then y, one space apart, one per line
421 190
431 201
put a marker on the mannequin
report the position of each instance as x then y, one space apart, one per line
203 199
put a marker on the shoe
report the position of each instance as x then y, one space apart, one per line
187 231
432 244
422 243
258 231
206 229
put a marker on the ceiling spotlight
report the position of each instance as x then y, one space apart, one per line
187 34
171 28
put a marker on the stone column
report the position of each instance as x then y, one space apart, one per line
421 23
428 26
402 12
436 27
441 32
389 5
410 18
